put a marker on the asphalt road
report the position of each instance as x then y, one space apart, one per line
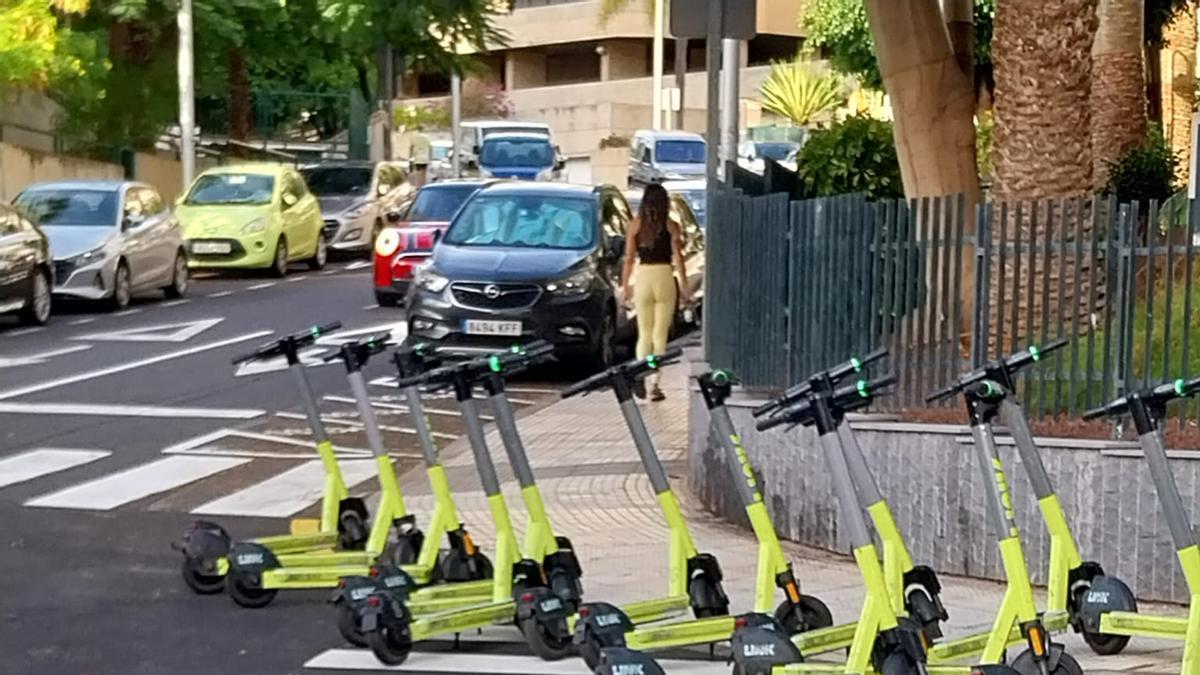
115 428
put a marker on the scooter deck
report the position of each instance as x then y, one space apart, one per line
824 640
299 543
681 633
1144 625
658 609
840 669
425 607
456 589
323 576
462 619
973 645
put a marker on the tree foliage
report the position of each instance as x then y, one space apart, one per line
839 29
855 155
795 92
37 49
1144 172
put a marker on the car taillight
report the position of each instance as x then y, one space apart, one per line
425 240
388 242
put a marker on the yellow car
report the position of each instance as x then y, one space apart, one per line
251 216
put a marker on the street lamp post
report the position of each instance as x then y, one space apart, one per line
455 122
657 79
187 95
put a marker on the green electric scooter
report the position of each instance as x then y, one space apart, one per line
1148 408
205 544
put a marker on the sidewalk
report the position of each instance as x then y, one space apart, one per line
597 494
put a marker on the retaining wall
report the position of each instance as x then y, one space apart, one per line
928 474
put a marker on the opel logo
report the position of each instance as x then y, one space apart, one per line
491 291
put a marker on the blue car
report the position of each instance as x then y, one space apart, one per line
519 155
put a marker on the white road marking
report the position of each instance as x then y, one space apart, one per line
359 425
42 461
370 307
118 410
139 482
389 381
167 332
286 493
311 358
219 294
128 312
210 444
358 265
83 322
41 357
326 273
175 303
398 406
397 329
292 280
259 287
25 331
489 664
131 365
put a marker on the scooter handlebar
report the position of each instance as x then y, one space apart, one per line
295 340
630 370
837 374
845 399
356 354
1012 363
1160 395
514 360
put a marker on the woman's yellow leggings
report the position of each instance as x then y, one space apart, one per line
655 302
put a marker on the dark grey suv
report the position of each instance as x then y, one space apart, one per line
523 261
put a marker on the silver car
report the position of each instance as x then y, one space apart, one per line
355 198
110 239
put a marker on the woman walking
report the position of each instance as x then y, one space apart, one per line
657 242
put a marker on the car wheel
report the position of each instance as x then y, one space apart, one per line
387 299
179 278
317 261
279 264
122 290
39 302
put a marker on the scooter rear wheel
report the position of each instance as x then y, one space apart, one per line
197 580
348 626
546 646
811 613
1105 644
390 647
249 597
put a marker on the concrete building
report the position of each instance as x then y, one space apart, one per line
591 82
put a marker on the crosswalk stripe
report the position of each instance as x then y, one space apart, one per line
286 493
136 483
42 461
487 664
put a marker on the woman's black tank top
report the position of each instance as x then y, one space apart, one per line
658 251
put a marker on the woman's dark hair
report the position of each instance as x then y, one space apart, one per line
652 213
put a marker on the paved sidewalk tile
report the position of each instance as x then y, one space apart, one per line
597 494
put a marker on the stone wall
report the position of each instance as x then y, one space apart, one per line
21 166
929 476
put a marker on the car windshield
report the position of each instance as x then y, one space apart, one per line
776 151
440 151
438 203
339 180
231 188
71 207
524 220
679 152
695 199
522 152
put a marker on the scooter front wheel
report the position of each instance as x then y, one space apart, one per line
348 626
546 646
250 597
194 576
391 647
1105 644
1026 665
811 613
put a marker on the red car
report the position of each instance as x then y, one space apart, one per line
408 239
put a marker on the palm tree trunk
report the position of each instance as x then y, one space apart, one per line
238 80
1118 86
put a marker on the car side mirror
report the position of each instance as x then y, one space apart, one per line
289 200
616 247
560 164
437 236
393 217
383 189
132 220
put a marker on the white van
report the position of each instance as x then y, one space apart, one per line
474 131
656 156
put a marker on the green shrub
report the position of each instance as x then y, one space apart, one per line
1145 171
857 155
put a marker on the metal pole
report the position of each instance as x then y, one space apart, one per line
681 59
456 122
657 74
731 54
187 95
712 61
387 91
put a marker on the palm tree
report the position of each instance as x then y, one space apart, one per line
1118 87
795 92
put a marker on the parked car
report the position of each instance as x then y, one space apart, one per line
523 261
695 192
111 239
26 271
474 131
657 156
752 155
440 166
693 246
408 240
354 197
523 156
252 216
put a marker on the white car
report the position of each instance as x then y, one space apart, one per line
355 198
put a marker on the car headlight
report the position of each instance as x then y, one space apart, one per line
93 256
357 210
431 281
255 226
576 284
547 174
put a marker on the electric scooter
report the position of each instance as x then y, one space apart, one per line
990 391
206 544
539 592
605 627
255 574
461 573
1148 408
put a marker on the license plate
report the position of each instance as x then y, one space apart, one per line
504 328
212 247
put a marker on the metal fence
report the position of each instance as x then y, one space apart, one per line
797 285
